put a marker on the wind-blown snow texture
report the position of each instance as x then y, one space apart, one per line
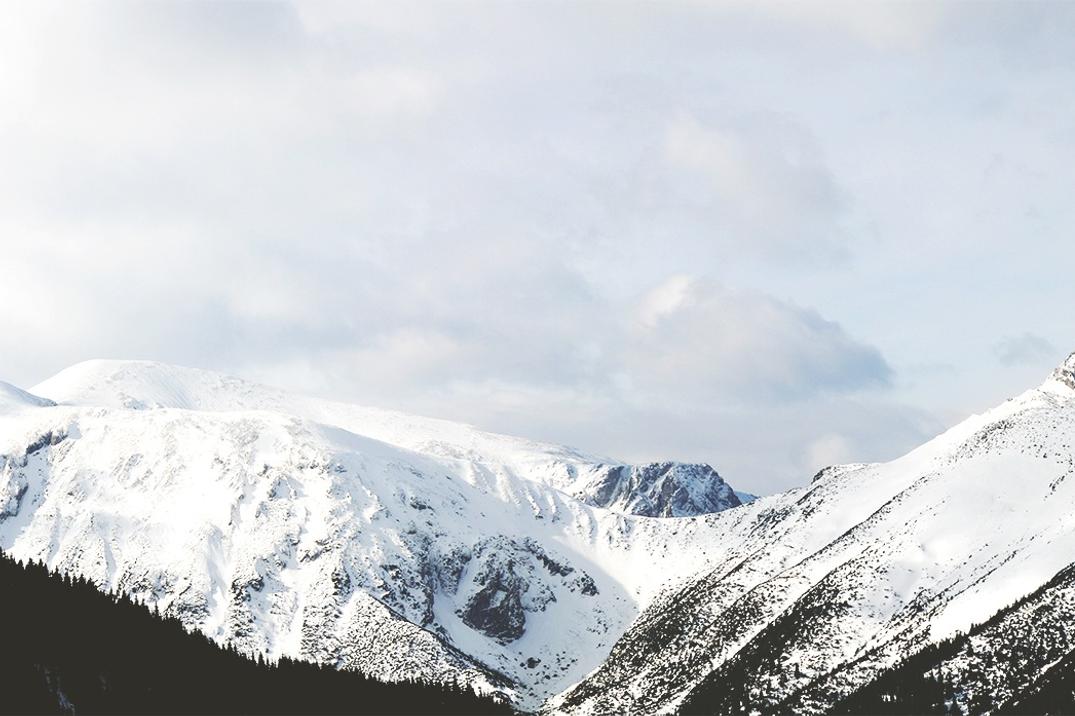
356 537
399 545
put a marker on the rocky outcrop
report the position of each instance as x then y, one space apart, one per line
505 579
496 609
1065 372
660 489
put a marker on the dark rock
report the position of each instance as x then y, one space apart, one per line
496 609
587 585
663 489
47 440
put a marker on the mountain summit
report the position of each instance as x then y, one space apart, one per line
660 489
1065 372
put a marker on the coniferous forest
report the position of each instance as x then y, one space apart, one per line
70 648
1036 659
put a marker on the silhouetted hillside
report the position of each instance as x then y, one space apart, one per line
68 647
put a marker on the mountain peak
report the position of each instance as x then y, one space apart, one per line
660 489
138 384
663 489
1065 372
15 397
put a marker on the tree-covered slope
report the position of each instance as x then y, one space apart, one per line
1019 661
70 648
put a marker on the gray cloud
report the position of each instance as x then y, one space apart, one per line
768 186
696 338
1023 349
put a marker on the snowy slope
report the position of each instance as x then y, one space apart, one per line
12 399
357 537
819 588
997 665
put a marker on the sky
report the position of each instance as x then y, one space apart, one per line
770 237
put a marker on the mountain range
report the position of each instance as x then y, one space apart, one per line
414 548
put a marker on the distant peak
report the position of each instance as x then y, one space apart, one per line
659 489
1065 372
12 396
137 384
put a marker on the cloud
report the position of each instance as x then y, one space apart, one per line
829 449
698 338
694 230
769 187
687 369
1024 349
879 25
685 342
393 91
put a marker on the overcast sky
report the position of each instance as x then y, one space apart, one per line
770 237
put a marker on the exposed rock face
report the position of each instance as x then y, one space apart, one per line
505 579
660 489
11 494
1065 372
497 608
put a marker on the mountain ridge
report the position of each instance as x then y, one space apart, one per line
301 527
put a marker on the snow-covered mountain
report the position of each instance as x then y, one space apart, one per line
12 398
362 538
819 589
407 546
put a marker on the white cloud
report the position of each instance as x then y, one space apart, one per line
332 16
664 300
880 25
690 370
392 91
700 339
769 184
829 449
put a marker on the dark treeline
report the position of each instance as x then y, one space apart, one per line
1017 643
917 685
1051 695
730 688
913 686
68 647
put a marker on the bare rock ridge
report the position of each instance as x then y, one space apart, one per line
660 489
1065 372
